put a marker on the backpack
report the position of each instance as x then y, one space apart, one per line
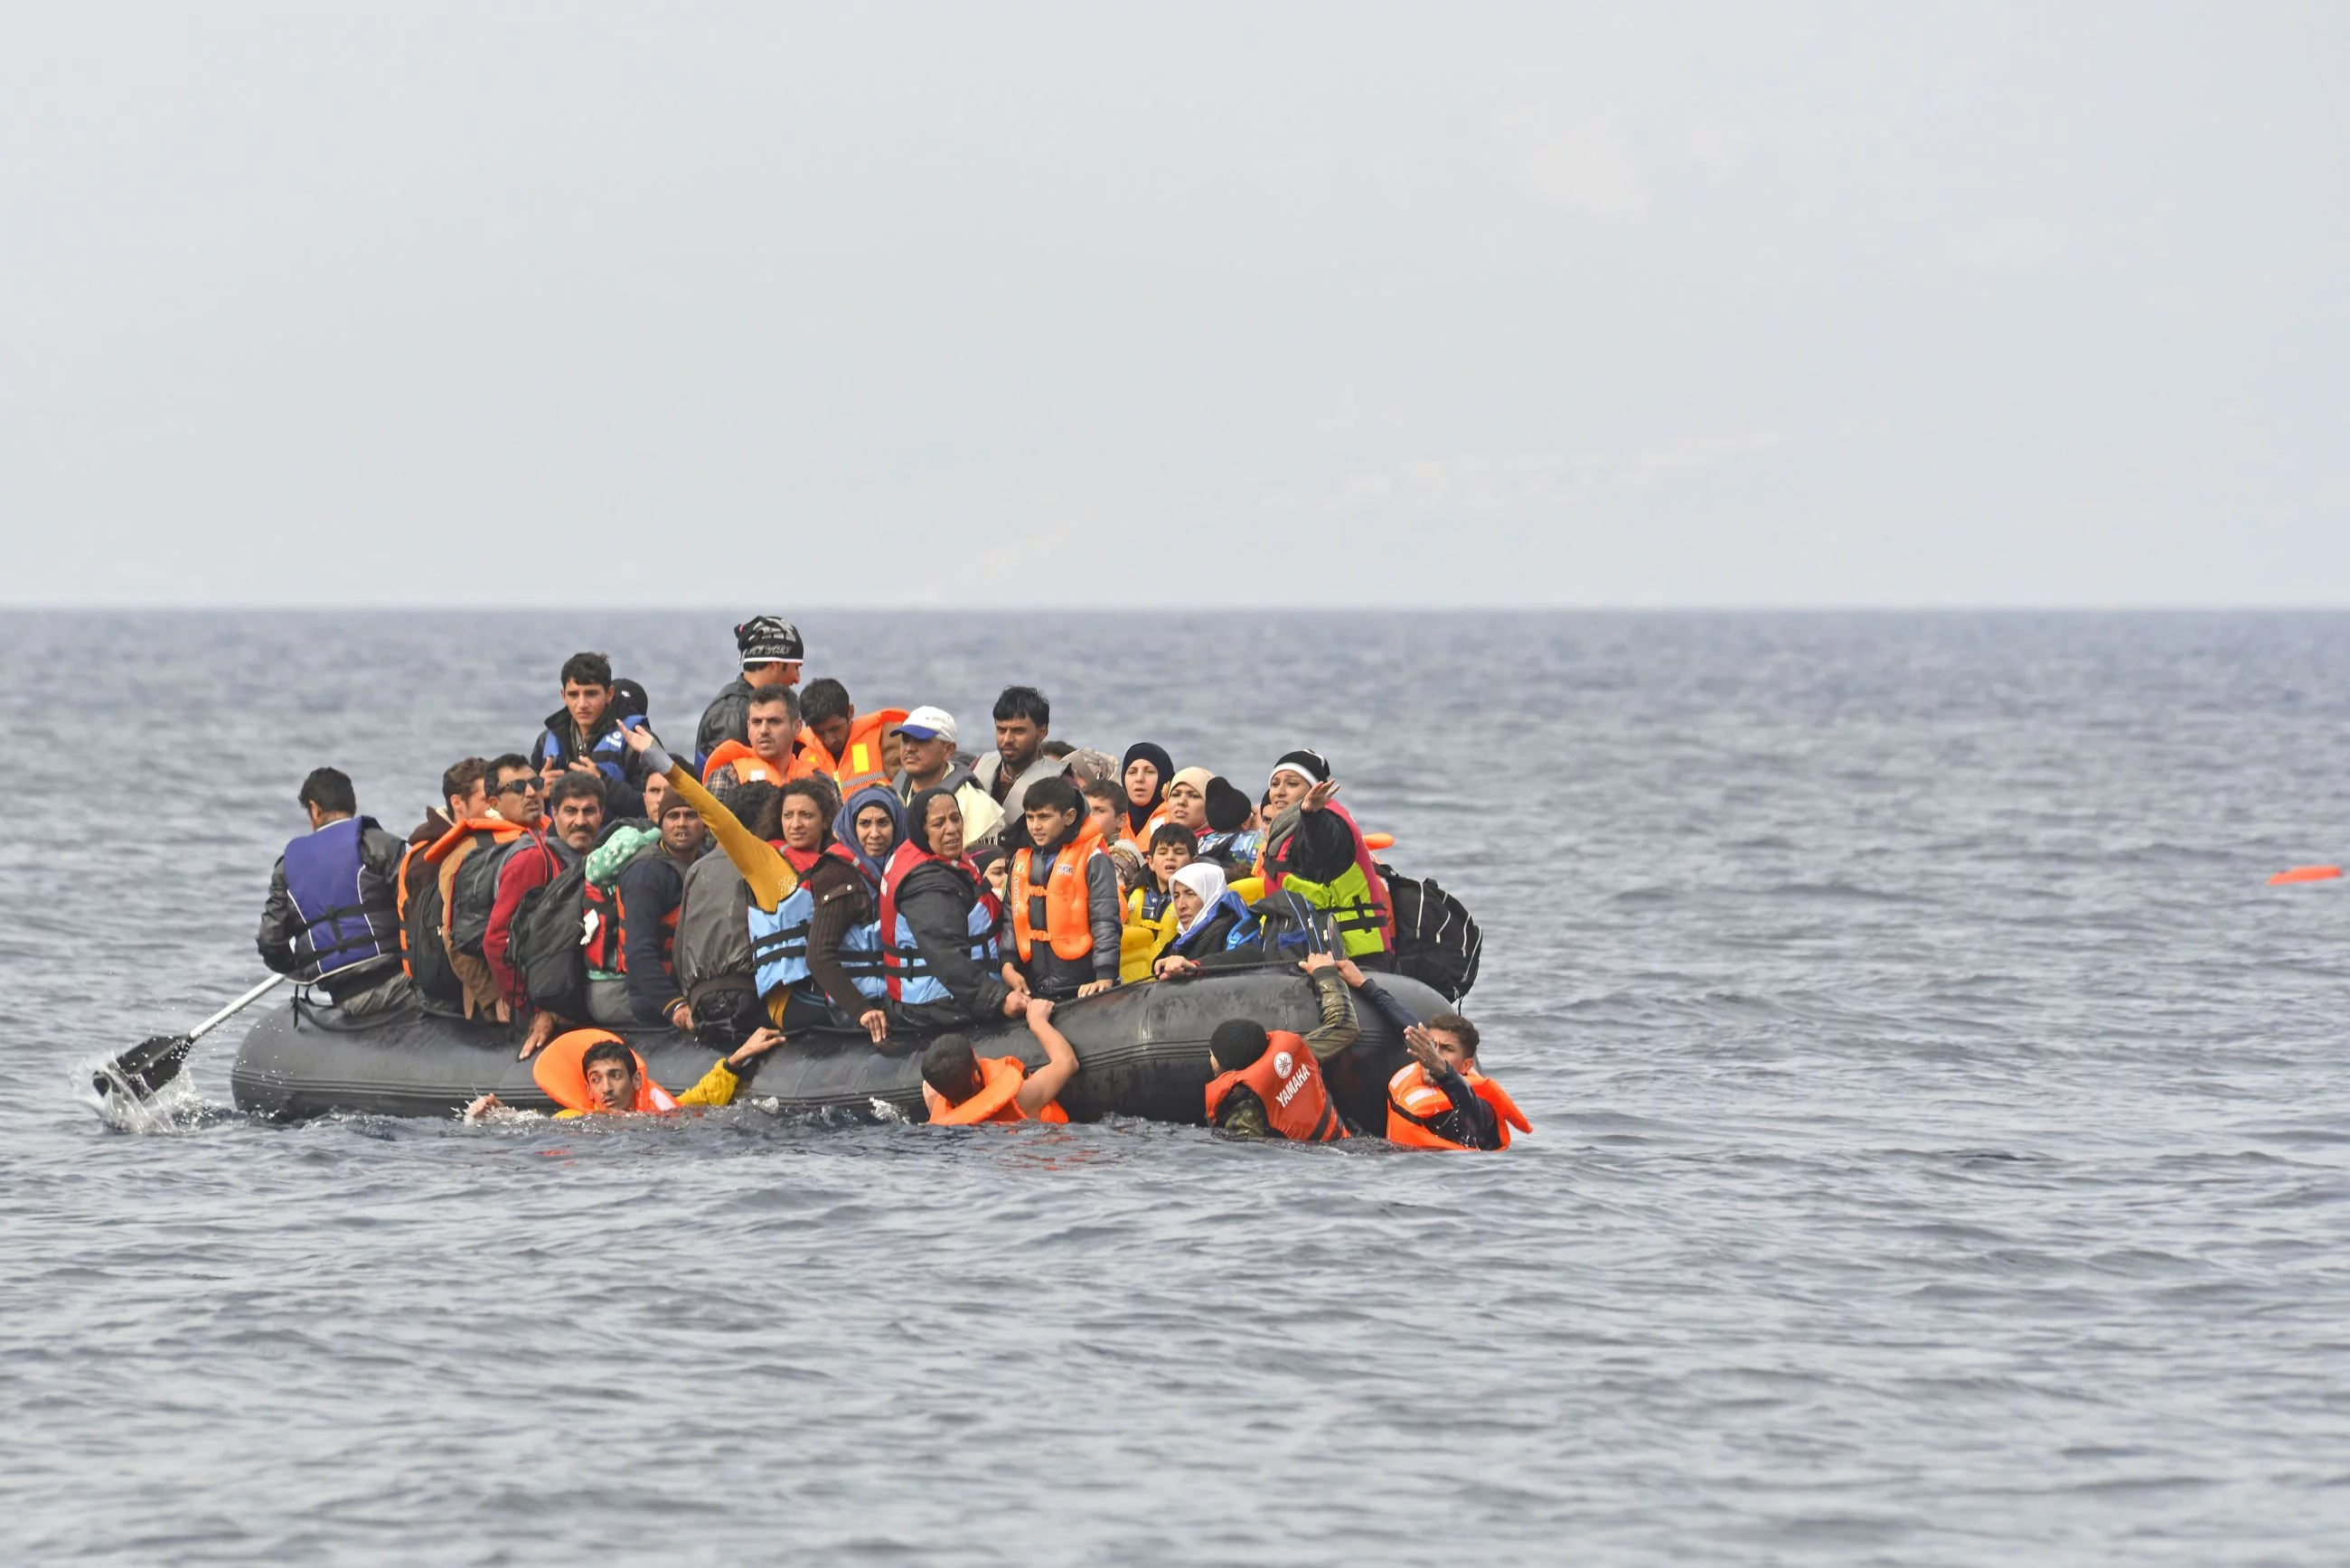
545 951
475 892
1286 925
1437 942
422 955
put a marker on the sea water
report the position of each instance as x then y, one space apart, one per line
1940 1155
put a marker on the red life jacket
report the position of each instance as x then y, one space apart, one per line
1067 923
604 948
559 1072
1000 1078
1413 1101
1289 1081
900 957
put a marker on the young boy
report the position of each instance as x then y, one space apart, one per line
1268 1082
1171 850
1440 1099
1106 808
960 1089
1063 905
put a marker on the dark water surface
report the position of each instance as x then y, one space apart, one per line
1940 1154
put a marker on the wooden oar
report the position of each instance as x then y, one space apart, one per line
156 1061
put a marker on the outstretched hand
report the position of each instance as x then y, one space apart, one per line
638 738
1319 795
1422 1046
762 1041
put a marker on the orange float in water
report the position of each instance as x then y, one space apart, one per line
2305 873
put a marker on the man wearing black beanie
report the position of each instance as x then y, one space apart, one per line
771 652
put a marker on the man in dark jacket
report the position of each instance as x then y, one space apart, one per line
331 919
465 790
584 736
651 888
772 652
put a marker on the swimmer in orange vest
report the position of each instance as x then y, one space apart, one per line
1268 1083
961 1088
1440 1099
592 1071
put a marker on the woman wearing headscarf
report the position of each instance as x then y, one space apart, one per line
844 890
1187 799
1145 772
1207 913
937 925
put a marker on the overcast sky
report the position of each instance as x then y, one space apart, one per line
1624 304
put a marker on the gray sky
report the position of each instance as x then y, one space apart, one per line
1746 305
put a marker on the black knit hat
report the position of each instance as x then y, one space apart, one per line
629 699
1313 765
766 639
1228 809
1236 1043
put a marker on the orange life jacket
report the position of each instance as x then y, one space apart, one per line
1413 1101
1289 1081
750 767
1000 1078
1126 835
497 827
1066 923
558 1071
860 763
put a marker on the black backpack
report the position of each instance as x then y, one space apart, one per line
426 959
1436 940
547 950
475 891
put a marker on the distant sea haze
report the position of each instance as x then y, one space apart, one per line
1938 1150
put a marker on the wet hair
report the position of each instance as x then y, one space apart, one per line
573 787
328 789
811 789
588 670
823 700
1236 1043
1110 795
1059 794
1173 833
1459 1028
1024 702
512 762
460 777
607 1051
756 805
952 1067
1059 751
768 696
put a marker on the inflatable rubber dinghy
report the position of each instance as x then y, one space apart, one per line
1142 1051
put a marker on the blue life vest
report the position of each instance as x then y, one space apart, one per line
348 911
915 983
779 939
610 753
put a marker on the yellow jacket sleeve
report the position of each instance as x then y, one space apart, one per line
717 1086
769 875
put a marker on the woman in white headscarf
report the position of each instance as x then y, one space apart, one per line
1206 915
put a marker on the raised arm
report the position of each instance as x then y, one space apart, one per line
769 875
1043 1086
1338 1028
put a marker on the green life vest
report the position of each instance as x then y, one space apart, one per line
1348 898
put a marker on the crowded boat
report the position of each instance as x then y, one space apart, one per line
833 892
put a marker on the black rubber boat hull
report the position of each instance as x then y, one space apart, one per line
1143 1050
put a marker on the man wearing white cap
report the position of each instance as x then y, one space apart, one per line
926 742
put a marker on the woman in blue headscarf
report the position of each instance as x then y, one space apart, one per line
843 895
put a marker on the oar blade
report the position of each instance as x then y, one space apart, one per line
145 1067
2305 873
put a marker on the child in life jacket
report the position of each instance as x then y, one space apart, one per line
1440 1099
961 1088
1269 1082
1064 908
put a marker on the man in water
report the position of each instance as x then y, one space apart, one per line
1246 1098
615 1083
958 1088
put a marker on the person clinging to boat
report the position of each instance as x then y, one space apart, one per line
960 1087
593 1071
